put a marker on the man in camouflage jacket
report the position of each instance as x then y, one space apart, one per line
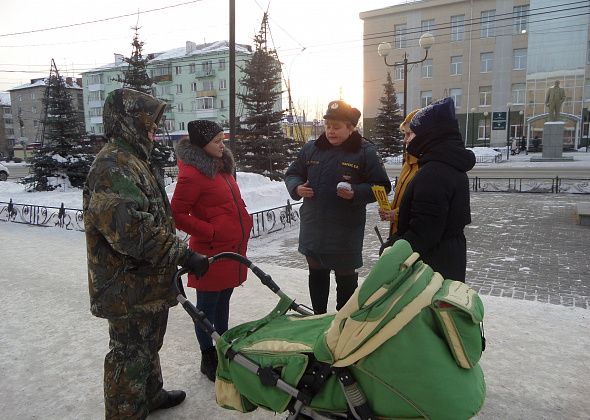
133 253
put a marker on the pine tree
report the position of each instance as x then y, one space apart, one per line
65 157
261 146
386 131
136 77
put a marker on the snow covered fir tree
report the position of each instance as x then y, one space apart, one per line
136 77
65 155
386 133
261 146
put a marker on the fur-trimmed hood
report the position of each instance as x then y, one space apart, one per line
195 156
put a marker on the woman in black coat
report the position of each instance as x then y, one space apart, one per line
334 175
435 207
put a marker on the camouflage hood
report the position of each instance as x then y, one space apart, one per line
128 115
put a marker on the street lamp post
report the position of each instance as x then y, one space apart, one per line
522 144
485 128
426 41
508 105
472 129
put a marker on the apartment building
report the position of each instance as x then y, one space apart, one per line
496 58
27 107
193 80
6 126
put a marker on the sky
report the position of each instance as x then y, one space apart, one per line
319 42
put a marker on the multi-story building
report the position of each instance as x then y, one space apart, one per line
194 80
6 126
495 58
28 109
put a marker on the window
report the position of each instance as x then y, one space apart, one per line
208 85
520 59
181 125
400 36
518 93
35 123
425 98
192 67
207 66
427 68
222 84
178 89
399 73
457 28
222 103
427 26
485 96
221 64
486 62
205 103
178 69
34 109
95 112
97 95
180 107
456 65
456 94
487 23
33 95
160 71
193 86
169 125
521 17
95 79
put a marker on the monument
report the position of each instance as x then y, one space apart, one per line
553 129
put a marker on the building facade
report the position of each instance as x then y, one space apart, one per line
28 109
6 126
193 80
496 58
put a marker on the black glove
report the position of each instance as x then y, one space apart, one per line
197 263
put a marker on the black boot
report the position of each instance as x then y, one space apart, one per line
167 399
209 363
345 287
319 290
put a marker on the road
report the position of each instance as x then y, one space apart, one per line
17 171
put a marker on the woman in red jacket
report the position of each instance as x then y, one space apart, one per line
208 206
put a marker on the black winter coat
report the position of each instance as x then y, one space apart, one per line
435 207
331 224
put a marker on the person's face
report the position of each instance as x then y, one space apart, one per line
337 131
408 135
215 147
152 132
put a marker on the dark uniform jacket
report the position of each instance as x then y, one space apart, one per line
132 247
331 224
435 207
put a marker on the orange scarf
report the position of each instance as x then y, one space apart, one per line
409 169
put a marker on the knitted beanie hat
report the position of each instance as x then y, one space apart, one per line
201 132
436 114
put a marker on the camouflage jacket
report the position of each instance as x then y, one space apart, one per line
132 247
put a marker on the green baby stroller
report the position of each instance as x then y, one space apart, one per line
406 345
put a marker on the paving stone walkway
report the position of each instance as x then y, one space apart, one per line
522 246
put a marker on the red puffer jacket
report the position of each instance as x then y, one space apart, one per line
207 205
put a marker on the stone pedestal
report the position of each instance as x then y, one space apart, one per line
552 143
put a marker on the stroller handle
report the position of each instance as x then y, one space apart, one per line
265 279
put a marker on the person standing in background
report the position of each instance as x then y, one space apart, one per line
207 205
334 175
133 253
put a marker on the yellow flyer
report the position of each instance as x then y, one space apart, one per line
381 196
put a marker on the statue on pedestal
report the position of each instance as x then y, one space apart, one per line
554 99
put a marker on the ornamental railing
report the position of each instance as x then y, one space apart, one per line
264 221
532 185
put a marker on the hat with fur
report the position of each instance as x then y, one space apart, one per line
437 114
201 132
341 111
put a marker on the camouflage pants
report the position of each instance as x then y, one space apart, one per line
132 373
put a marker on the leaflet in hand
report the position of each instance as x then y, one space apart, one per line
381 196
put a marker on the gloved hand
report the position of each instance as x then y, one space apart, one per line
197 263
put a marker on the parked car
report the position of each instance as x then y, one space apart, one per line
3 173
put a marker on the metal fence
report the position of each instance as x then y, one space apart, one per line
478 159
265 221
532 185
